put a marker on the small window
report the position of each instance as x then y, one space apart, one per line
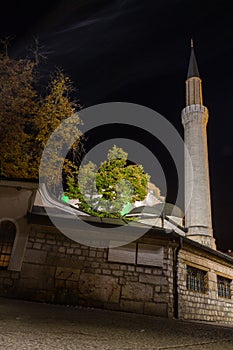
196 279
224 287
7 237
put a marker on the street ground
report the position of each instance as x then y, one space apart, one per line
36 326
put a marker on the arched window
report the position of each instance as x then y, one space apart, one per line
7 238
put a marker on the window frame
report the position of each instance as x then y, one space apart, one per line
20 243
199 282
5 256
224 290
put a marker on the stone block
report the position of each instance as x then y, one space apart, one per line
137 291
49 248
122 280
66 273
40 235
161 297
36 276
37 271
139 269
112 306
157 271
128 273
75 245
39 240
37 246
15 275
117 273
5 273
60 283
26 284
132 306
100 254
51 241
165 289
95 265
92 253
132 279
156 309
8 282
99 288
115 266
131 268
153 279
71 285
66 261
85 253
35 256
61 249
43 296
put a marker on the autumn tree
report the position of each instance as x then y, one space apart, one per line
54 108
29 115
107 190
17 107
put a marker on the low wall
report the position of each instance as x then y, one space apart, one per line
58 270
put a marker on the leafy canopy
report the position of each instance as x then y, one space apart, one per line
29 114
108 190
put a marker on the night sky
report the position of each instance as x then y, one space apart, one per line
138 51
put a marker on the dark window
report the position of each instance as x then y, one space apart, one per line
7 237
224 287
196 279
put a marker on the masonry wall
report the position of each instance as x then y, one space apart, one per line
58 270
206 306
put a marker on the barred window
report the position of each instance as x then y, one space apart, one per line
196 279
224 287
7 237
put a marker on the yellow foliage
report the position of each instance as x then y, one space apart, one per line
27 118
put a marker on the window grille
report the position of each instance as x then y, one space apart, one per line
7 237
196 279
224 287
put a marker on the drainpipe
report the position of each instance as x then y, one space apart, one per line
176 277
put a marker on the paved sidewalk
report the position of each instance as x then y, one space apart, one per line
27 325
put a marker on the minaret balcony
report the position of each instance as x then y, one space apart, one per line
195 112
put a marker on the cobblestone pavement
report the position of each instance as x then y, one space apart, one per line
27 325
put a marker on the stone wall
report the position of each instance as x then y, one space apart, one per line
206 306
58 270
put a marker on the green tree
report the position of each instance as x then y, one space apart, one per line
117 153
107 190
85 177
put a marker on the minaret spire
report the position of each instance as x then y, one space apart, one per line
193 67
197 187
193 82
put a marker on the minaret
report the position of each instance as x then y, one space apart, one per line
197 187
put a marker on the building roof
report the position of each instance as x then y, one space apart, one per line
18 183
160 209
229 252
68 215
